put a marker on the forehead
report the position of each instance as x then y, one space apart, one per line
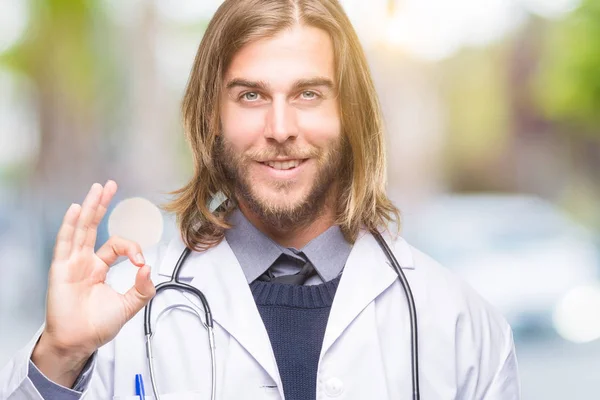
296 53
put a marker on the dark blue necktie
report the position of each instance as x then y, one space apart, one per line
294 279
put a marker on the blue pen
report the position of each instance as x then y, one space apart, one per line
139 386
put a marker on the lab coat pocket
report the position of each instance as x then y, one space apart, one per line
185 395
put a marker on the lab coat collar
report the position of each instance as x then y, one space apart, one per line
367 274
398 245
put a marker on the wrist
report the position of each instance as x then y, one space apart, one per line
58 363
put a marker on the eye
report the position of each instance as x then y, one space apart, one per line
308 95
250 96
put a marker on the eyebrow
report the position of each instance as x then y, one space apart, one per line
299 84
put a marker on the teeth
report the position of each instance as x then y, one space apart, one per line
283 164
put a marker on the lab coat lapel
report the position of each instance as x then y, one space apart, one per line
218 274
366 275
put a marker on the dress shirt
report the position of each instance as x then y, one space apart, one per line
256 252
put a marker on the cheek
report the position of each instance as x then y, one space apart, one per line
321 126
241 128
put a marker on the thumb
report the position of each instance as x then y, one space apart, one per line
141 293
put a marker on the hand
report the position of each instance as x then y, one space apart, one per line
82 311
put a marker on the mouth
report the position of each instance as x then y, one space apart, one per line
283 165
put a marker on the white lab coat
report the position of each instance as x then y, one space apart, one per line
466 348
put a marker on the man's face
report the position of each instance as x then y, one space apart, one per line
281 136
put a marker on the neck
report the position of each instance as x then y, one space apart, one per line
293 236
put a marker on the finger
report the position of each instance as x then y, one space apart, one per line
110 188
116 247
64 238
88 211
141 293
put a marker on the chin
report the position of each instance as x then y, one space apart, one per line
284 206
282 202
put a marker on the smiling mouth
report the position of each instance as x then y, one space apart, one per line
283 165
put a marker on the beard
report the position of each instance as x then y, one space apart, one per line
286 215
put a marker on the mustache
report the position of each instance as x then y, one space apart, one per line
282 151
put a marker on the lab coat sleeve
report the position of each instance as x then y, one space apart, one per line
486 356
505 382
15 383
487 353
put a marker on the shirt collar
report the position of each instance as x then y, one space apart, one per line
256 252
328 252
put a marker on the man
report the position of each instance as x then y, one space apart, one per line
283 120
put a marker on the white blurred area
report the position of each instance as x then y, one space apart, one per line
525 255
136 219
13 22
576 316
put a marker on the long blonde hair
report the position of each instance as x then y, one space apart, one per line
362 202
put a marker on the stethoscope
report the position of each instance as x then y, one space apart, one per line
174 283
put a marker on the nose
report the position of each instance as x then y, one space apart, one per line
281 123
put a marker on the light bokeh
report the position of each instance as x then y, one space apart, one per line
577 315
136 219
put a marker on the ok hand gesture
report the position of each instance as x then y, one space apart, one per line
82 311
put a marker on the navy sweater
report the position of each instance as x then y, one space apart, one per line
295 317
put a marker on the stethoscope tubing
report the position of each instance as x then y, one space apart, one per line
412 310
174 283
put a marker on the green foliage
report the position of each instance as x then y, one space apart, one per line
60 48
567 87
475 93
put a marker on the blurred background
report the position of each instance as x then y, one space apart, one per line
492 113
